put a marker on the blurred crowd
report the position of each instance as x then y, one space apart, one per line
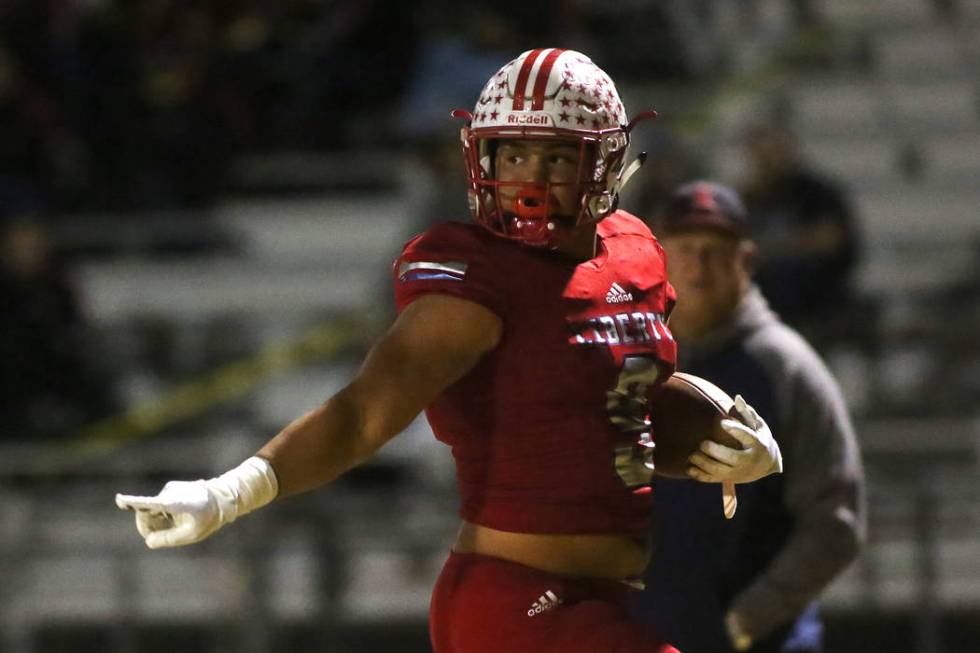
116 105
121 105
117 108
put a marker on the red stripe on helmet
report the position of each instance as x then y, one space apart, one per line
541 83
522 76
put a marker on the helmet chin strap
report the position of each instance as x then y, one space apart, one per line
618 185
631 169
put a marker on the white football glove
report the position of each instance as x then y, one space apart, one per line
186 512
758 457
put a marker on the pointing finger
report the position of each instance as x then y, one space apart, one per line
130 502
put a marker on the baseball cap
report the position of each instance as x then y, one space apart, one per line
705 205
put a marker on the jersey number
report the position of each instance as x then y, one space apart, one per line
629 411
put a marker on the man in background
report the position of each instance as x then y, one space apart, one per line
806 231
749 583
51 380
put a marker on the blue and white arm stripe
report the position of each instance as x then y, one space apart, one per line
430 270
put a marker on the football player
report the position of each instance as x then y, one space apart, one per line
530 338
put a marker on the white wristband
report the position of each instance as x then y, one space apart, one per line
249 486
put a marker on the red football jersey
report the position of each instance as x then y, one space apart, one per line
549 430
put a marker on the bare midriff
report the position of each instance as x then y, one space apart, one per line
607 556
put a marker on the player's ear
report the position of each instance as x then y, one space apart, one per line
748 255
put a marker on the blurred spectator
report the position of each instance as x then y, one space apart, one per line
35 146
805 229
646 40
49 384
669 163
463 44
143 105
750 583
348 68
158 134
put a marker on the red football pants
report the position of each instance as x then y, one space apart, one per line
487 605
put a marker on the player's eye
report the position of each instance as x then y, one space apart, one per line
562 158
511 156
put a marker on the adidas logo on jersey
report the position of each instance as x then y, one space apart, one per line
617 295
545 602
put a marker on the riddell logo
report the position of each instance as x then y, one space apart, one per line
545 602
528 119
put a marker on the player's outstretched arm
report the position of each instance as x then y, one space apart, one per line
435 341
758 457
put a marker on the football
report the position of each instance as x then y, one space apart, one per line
686 410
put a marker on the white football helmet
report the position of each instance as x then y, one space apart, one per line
548 93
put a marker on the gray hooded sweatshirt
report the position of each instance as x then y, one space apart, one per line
793 532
